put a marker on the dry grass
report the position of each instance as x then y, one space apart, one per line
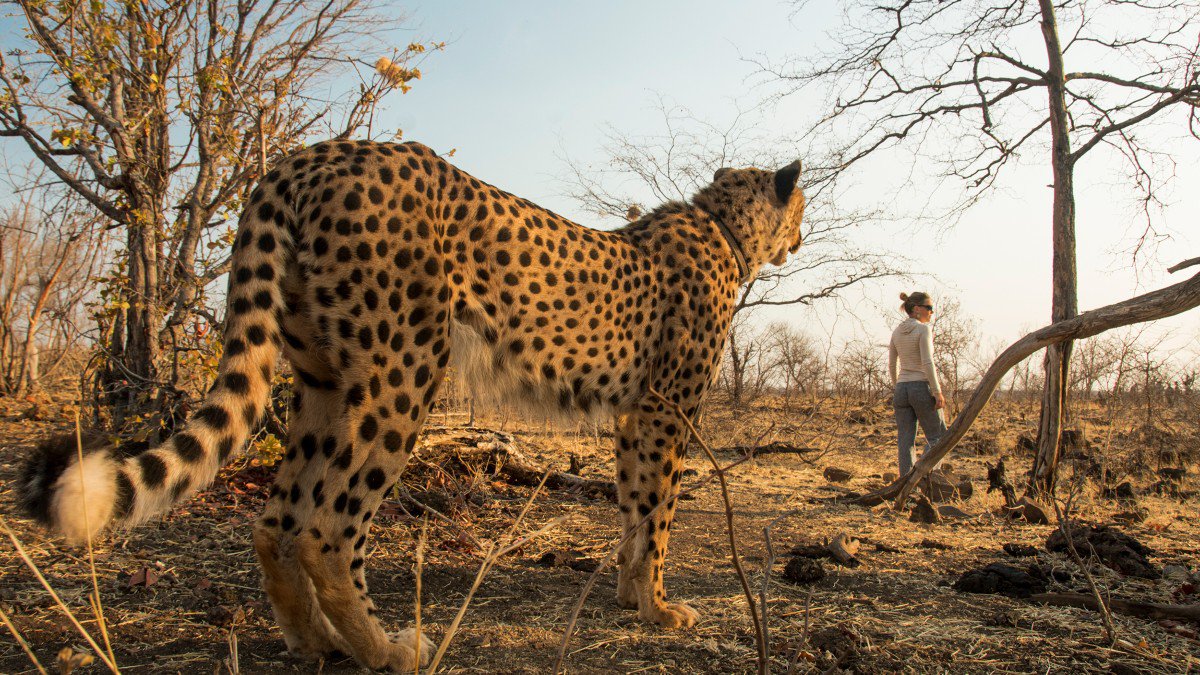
896 613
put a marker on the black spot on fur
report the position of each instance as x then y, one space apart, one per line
188 448
124 500
213 416
224 448
154 471
180 487
237 383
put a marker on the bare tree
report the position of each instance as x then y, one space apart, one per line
1094 360
860 372
797 360
50 245
962 82
955 339
747 369
162 116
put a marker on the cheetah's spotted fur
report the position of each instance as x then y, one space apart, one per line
369 264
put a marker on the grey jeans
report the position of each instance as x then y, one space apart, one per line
914 402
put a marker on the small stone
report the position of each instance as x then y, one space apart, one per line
223 616
951 511
1003 619
942 486
1132 516
570 559
1032 511
1122 492
1176 573
1174 474
923 512
834 474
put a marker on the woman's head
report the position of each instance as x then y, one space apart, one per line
918 305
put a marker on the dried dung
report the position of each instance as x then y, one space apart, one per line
801 570
1001 579
1114 548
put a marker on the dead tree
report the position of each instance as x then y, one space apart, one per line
1160 304
966 78
49 248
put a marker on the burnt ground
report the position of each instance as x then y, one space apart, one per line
896 612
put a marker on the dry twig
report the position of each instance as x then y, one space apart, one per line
491 554
21 641
417 592
1064 524
760 638
24 555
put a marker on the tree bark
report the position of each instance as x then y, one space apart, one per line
1064 298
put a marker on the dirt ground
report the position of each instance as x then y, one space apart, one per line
182 594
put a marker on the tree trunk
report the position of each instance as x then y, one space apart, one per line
737 371
1064 300
131 379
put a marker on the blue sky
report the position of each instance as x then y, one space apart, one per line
521 83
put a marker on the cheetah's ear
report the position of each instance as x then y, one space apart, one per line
785 181
721 172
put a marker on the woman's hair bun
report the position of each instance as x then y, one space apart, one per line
904 296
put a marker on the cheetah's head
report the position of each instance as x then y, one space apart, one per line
763 208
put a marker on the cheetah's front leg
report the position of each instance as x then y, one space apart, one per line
649 461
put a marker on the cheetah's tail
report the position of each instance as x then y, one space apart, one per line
79 497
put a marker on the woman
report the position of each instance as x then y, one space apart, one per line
918 395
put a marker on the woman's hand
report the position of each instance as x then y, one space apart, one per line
939 401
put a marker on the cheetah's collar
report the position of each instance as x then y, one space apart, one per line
739 256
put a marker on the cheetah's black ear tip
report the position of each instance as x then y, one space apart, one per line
785 180
720 172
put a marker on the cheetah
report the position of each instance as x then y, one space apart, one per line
370 266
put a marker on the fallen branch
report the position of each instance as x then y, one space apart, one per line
1146 610
776 448
1165 302
522 474
512 465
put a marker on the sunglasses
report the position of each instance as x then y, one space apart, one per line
928 307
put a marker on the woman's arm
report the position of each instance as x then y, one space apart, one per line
893 360
926 343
